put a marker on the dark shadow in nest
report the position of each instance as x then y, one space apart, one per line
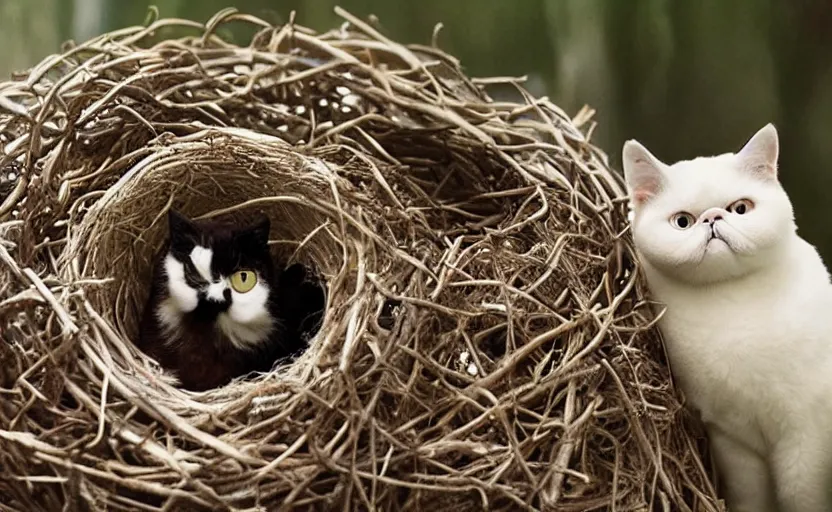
302 301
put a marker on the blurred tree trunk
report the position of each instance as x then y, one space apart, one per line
582 61
87 19
801 35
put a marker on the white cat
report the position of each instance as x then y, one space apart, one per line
748 320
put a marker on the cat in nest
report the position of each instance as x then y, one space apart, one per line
747 321
219 308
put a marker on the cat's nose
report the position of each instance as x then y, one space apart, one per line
217 292
712 215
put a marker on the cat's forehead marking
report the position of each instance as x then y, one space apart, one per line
201 258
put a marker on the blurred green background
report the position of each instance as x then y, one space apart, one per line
685 77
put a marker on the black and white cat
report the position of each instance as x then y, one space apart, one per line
219 309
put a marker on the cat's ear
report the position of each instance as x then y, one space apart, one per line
760 153
257 234
643 172
181 228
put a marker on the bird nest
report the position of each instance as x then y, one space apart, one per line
486 342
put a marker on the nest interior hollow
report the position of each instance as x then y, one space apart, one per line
486 341
121 234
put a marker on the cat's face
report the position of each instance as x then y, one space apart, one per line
711 218
219 276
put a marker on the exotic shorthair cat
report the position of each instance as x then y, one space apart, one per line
219 309
748 320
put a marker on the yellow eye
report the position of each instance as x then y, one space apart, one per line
243 281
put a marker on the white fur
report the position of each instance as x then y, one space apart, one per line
748 320
183 296
247 322
201 258
170 316
216 291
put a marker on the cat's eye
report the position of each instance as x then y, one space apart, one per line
741 207
682 220
243 281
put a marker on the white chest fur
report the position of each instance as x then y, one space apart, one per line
754 356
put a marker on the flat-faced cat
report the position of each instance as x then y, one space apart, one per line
218 308
748 324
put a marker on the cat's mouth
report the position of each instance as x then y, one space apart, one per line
715 238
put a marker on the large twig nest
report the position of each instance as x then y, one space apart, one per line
486 342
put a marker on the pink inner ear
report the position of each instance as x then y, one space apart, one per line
641 196
763 170
646 188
